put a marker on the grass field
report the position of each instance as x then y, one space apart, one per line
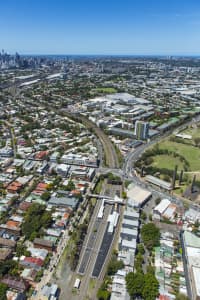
105 90
167 162
191 153
194 132
99 186
185 149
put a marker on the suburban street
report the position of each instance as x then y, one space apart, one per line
52 265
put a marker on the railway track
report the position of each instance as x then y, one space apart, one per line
111 157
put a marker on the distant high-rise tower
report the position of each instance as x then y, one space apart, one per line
141 130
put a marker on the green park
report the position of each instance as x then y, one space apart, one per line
160 160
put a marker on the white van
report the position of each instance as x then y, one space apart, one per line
77 283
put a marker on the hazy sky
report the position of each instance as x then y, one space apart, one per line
100 26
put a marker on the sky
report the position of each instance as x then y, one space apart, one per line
113 27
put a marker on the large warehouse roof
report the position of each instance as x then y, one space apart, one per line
136 195
161 183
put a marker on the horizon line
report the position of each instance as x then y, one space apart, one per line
108 54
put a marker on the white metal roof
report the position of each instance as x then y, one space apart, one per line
162 206
196 276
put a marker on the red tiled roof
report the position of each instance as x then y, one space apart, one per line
34 260
80 185
16 183
75 192
42 186
164 297
66 215
14 186
41 154
13 223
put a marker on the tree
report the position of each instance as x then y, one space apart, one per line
21 250
134 284
150 235
143 215
157 200
112 177
124 195
139 259
114 266
70 186
45 196
197 141
103 294
7 267
127 182
181 297
149 160
35 220
140 248
166 178
39 275
151 287
150 269
195 228
50 186
3 290
57 180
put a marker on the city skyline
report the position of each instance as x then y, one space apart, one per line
77 28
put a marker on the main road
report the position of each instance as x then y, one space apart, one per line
136 153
